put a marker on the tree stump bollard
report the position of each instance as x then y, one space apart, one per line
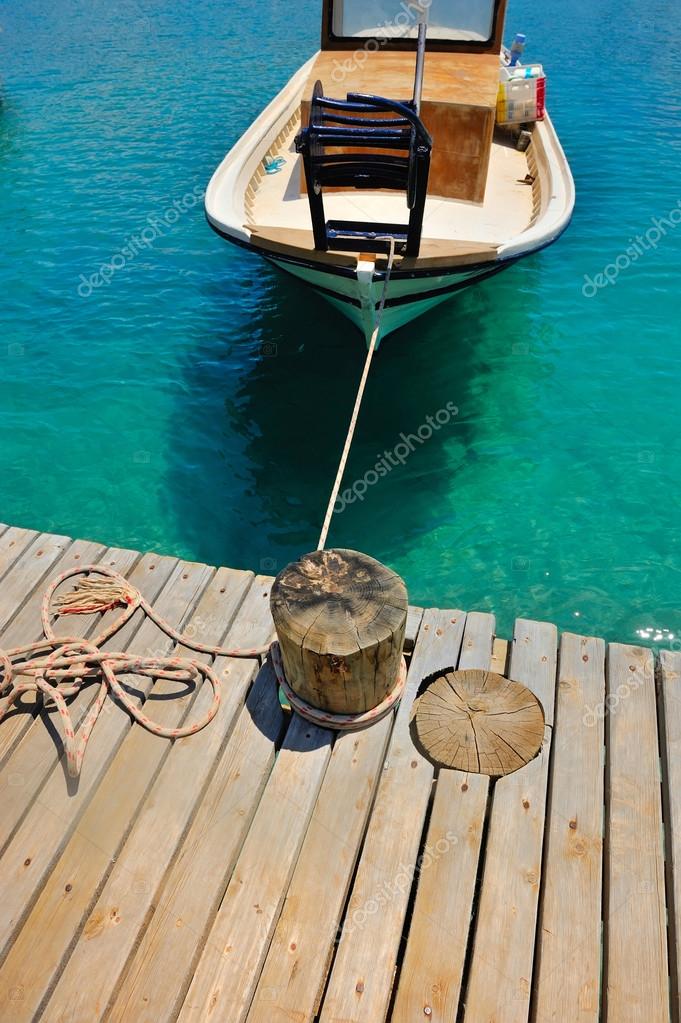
341 617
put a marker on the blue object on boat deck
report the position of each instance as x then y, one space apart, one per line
274 166
517 48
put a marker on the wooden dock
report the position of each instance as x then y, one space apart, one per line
267 871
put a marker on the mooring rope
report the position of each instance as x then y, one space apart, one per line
58 666
327 719
358 400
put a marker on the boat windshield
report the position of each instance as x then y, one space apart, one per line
450 20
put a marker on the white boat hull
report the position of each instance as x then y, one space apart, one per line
405 299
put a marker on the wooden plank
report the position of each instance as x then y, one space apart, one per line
636 981
478 641
433 964
14 543
499 662
38 740
26 626
159 975
414 619
113 810
24 573
568 968
503 952
114 925
670 690
51 820
361 979
292 980
230 963
253 626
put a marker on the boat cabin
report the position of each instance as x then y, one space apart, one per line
464 26
363 51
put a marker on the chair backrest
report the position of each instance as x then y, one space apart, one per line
367 142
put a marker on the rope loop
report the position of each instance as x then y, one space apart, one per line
57 667
338 722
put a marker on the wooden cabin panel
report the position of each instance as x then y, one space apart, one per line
462 145
459 108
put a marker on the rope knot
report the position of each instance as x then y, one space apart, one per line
95 595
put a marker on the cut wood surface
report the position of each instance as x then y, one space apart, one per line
637 981
480 722
568 971
340 618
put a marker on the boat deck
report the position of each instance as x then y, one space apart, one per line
265 870
275 203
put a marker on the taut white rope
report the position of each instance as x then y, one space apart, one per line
358 401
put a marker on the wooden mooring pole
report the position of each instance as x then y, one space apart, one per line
340 618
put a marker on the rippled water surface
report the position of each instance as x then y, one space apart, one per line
197 402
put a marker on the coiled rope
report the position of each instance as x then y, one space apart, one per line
58 667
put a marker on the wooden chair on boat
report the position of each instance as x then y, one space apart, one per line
368 126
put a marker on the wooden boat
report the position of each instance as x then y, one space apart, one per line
389 140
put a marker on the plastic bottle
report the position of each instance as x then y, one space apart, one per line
517 48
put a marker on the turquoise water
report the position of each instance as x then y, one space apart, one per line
197 402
